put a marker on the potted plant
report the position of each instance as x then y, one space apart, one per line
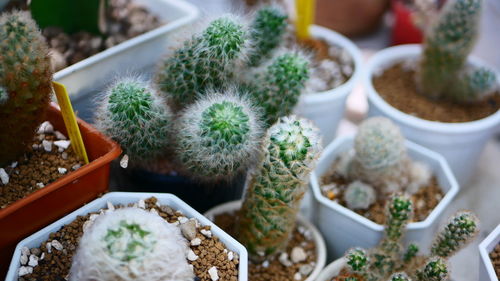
280 244
34 194
489 253
390 261
439 97
129 234
351 186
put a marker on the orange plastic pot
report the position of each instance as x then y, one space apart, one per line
62 196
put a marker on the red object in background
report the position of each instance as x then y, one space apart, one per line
404 30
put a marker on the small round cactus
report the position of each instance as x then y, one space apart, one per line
135 116
357 260
218 136
359 195
436 269
131 244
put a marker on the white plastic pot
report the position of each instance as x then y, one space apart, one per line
460 143
486 270
326 109
125 198
343 228
332 270
231 207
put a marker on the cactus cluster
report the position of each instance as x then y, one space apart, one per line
388 261
444 71
131 244
277 185
359 195
25 83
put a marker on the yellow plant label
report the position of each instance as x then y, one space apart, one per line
70 121
305 17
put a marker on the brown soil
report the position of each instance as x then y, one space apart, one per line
275 270
56 264
495 259
36 169
397 86
424 200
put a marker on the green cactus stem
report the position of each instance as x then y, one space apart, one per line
435 270
411 252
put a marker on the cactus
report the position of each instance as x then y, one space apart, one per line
26 83
203 62
357 260
400 276
131 244
435 270
135 116
461 229
399 212
277 185
359 195
266 32
218 136
443 70
411 252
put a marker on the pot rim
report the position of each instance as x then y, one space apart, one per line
331 269
490 241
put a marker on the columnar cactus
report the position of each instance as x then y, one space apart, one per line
359 195
25 83
218 136
203 62
461 229
131 244
133 114
443 71
277 185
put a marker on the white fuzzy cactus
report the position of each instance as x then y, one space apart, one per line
131 244
359 195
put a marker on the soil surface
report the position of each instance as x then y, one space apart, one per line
277 269
54 264
396 85
495 259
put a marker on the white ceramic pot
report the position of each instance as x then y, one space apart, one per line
460 143
332 270
232 206
344 228
486 270
125 198
326 109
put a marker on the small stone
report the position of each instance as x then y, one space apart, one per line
305 269
110 206
64 155
298 255
25 251
230 256
24 259
297 276
25 270
141 204
33 261
265 264
64 144
167 209
206 233
188 229
13 165
153 211
196 242
182 219
47 145
60 136
57 245
42 256
4 177
213 273
192 256
76 167
35 146
62 170
124 161
45 128
283 258
40 185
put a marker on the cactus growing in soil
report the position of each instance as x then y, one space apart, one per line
218 136
359 195
203 62
131 244
277 185
444 71
133 114
455 235
400 276
25 83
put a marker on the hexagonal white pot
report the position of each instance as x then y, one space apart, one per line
486 270
125 198
343 228
460 143
332 270
233 206
326 109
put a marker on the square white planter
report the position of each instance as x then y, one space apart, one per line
343 228
124 198
486 270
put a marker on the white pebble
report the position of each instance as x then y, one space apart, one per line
40 185
64 155
153 211
42 256
306 269
64 144
265 264
124 161
110 206
230 256
45 128
298 255
13 165
297 276
76 167
57 245
35 146
182 219
62 170
47 145
283 258
141 204
4 177
213 273
25 251
192 256
207 233
196 242
24 270
60 136
24 259
33 261
189 230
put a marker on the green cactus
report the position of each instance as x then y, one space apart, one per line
357 260
26 83
399 212
435 270
203 62
411 252
266 32
461 229
359 195
400 276
443 69
277 185
218 137
135 116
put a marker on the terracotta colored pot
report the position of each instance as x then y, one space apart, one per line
70 192
404 30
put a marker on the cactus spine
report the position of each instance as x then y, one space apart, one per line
277 185
25 83
461 229
218 136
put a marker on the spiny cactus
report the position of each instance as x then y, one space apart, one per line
266 32
135 116
277 185
435 270
461 229
218 136
131 244
400 276
359 195
203 61
25 82
443 69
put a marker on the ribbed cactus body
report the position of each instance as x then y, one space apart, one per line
461 228
203 62
135 116
277 185
359 195
435 270
25 83
218 137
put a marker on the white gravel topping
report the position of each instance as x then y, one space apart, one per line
62 170
213 273
45 128
192 256
47 145
64 144
4 177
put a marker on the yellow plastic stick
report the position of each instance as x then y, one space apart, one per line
70 121
305 17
